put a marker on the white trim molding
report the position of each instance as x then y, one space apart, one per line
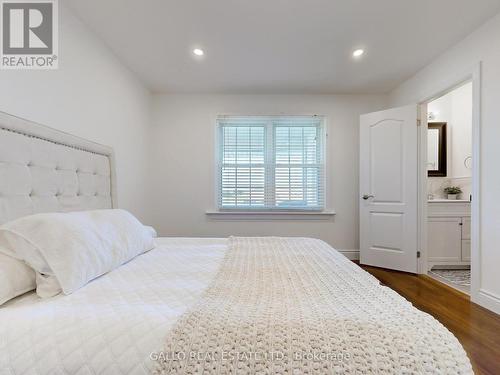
489 300
477 292
473 73
350 254
269 215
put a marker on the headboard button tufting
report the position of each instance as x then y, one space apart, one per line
51 169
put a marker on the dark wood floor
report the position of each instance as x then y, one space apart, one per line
475 327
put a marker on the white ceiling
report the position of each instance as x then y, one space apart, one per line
280 46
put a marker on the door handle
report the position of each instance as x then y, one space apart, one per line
366 196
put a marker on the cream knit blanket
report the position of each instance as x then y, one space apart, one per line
296 306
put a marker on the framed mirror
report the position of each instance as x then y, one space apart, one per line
436 150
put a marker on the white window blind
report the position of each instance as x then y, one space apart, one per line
271 163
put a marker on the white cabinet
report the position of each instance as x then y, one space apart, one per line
448 233
466 239
445 239
466 250
466 228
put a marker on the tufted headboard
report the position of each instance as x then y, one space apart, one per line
46 170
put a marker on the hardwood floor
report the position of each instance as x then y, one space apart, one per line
476 328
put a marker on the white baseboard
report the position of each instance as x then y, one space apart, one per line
350 254
488 300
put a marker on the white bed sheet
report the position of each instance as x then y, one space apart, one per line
112 325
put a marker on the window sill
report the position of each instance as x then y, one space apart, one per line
270 215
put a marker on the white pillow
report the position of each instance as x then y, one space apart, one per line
70 249
16 278
152 231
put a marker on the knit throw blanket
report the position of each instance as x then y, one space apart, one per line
297 306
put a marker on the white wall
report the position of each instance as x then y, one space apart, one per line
482 45
454 108
91 95
183 158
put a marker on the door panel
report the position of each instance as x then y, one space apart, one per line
382 222
386 159
388 189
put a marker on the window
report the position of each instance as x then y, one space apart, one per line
271 163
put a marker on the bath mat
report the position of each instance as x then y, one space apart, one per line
459 277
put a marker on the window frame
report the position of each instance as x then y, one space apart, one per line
269 151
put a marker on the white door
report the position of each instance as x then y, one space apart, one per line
389 189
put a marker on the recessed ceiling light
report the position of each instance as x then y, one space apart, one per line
358 53
198 52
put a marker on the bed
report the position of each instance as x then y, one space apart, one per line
129 319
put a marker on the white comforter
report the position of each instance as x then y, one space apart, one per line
112 325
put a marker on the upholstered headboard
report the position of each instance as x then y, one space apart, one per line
46 170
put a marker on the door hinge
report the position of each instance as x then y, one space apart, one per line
418 254
419 122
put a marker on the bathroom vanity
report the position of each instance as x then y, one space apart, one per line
448 233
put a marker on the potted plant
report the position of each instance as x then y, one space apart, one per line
453 192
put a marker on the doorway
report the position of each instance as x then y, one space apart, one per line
441 89
449 187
